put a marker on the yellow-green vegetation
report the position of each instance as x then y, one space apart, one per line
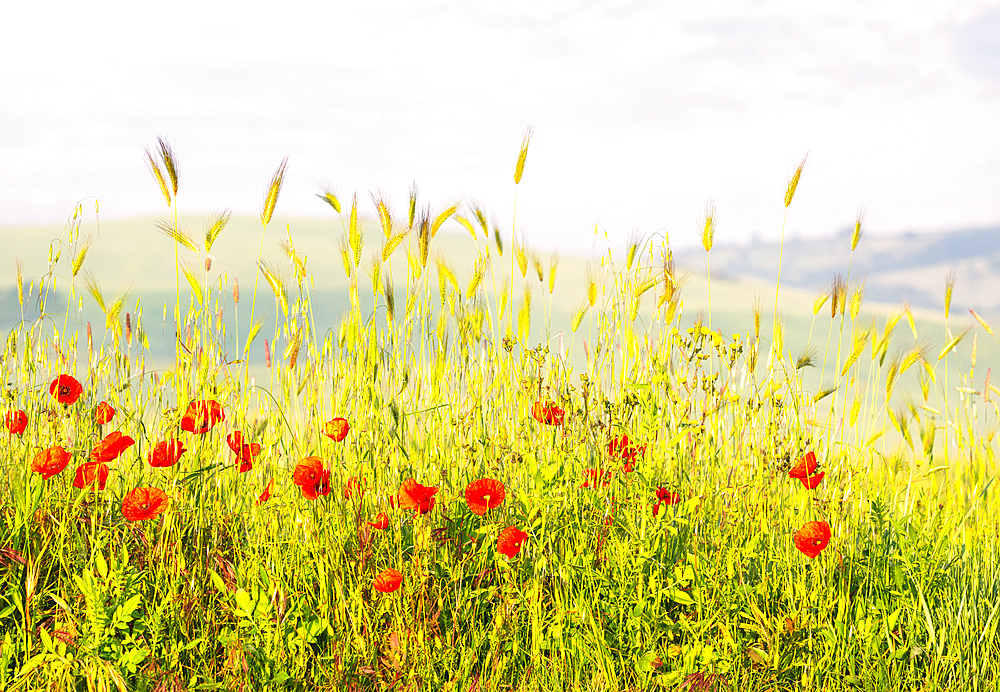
276 505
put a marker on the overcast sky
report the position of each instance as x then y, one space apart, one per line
642 111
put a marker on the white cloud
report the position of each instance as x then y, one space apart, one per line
642 110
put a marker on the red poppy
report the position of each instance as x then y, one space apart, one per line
266 495
595 477
354 487
417 497
510 540
244 452
812 481
66 389
16 421
804 467
144 503
619 448
484 494
51 461
381 521
111 447
103 413
166 453
201 416
547 412
665 497
812 538
388 580
337 429
89 473
310 475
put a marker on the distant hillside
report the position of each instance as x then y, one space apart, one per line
909 267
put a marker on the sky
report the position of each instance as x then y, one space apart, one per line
643 112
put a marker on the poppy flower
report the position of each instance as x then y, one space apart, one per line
510 540
201 416
812 538
166 453
595 477
16 422
812 481
337 429
806 466
312 478
381 521
417 497
90 473
354 487
547 413
388 580
619 448
51 461
665 497
266 495
484 494
144 503
111 447
103 413
805 471
244 452
66 389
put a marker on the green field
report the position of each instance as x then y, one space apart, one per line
480 522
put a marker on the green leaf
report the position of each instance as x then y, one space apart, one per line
217 582
244 602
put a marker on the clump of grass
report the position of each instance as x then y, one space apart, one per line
435 501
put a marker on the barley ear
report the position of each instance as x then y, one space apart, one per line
413 204
390 297
219 222
578 316
522 156
794 182
384 215
154 168
949 286
19 277
424 236
178 234
272 192
981 321
467 225
330 198
169 162
94 289
442 217
819 302
856 236
536 262
708 231
355 236
521 253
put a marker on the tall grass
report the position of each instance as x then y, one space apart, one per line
652 482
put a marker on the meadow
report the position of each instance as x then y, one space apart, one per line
493 476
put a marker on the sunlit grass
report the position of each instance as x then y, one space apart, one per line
305 507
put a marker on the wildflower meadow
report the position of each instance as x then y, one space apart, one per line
447 489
